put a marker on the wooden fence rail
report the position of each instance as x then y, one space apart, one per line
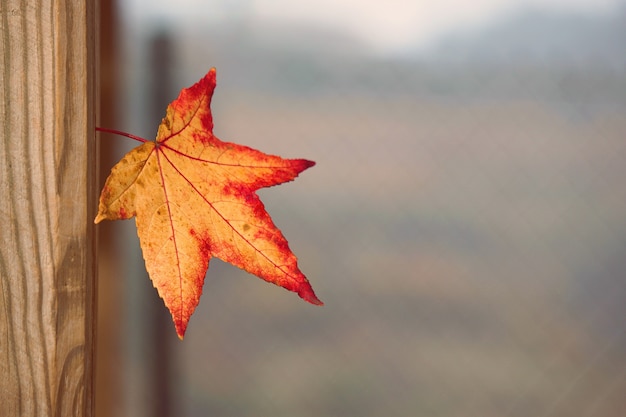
47 203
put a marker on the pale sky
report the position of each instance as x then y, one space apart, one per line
384 25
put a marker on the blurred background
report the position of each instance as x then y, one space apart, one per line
465 223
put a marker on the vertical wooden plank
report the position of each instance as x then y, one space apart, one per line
109 361
110 365
160 364
47 205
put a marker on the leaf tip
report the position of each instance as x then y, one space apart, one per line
300 165
317 302
307 294
210 77
181 328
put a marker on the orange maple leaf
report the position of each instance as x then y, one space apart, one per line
194 198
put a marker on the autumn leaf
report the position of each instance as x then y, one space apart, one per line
193 198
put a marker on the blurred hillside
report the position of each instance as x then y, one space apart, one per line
465 223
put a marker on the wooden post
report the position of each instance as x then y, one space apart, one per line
47 206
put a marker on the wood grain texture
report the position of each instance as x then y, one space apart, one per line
47 203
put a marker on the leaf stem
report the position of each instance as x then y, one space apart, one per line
119 132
